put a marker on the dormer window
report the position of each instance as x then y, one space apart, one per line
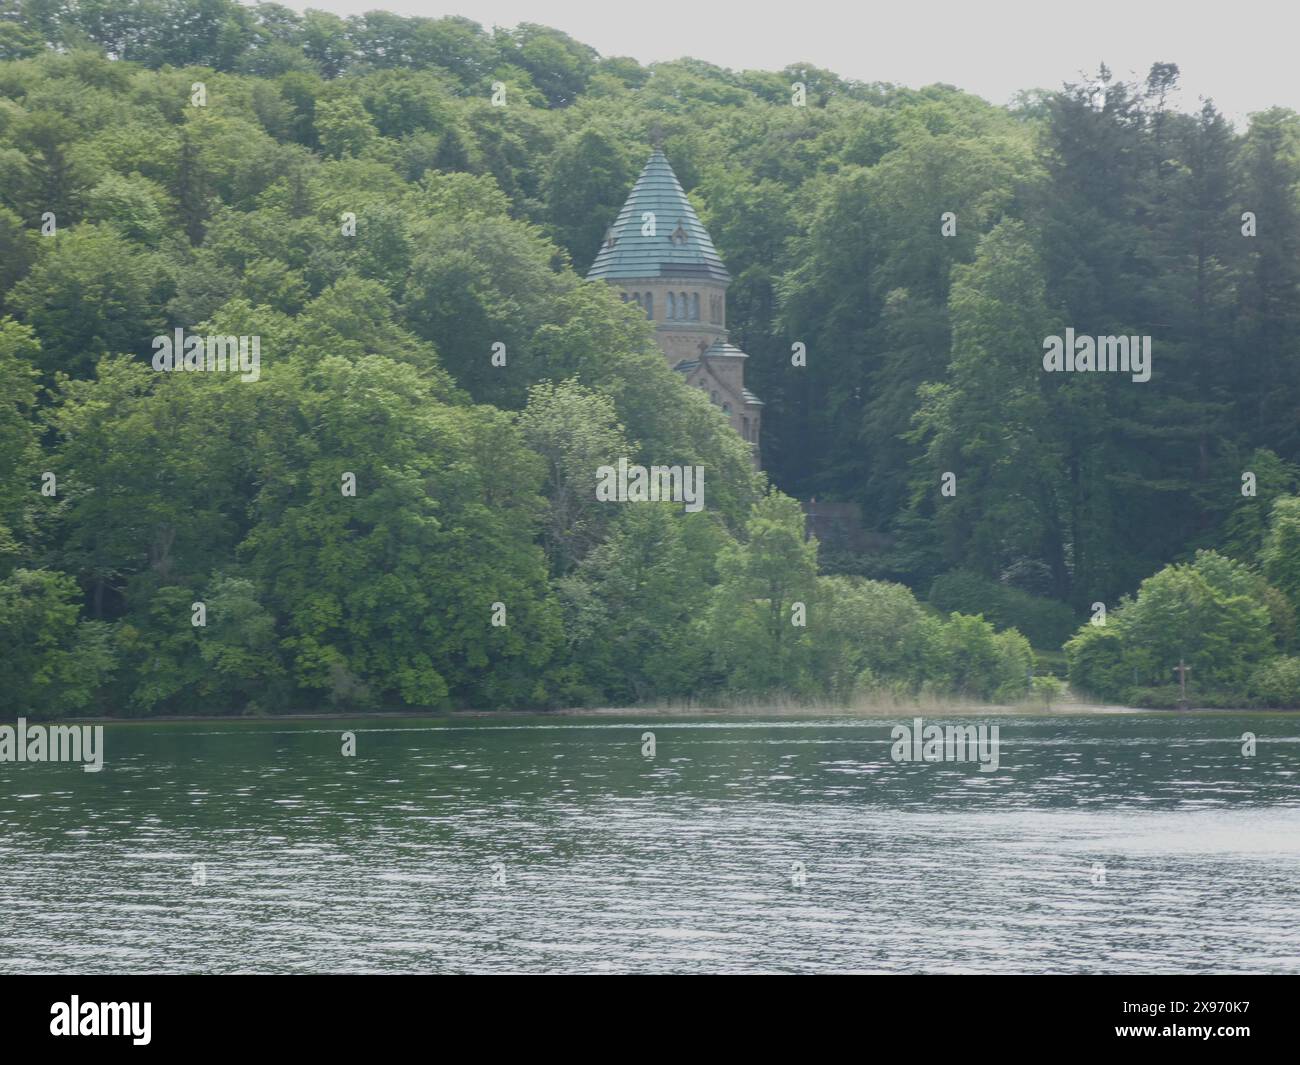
610 239
679 234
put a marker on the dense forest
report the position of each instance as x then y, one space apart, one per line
389 204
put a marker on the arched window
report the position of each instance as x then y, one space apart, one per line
672 306
695 306
726 408
744 427
650 305
715 397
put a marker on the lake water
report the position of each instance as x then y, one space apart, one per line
1103 843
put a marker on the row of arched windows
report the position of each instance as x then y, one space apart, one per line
681 310
681 306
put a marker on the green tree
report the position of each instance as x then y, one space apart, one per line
91 292
588 180
634 608
767 588
53 664
343 127
17 250
1210 615
989 424
576 431
1280 555
387 596
19 452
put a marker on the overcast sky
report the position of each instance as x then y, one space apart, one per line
1242 54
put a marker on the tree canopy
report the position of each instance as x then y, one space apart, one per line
400 209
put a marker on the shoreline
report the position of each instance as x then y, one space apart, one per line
755 712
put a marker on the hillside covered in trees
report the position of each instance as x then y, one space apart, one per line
385 202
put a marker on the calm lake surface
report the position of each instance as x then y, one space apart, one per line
391 861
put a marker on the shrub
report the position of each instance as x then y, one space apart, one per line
53 663
1211 615
1095 657
1277 682
1168 697
866 634
1046 622
978 662
1048 688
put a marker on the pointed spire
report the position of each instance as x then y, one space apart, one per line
658 233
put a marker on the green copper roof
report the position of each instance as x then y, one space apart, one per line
724 349
680 248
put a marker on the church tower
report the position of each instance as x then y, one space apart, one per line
659 255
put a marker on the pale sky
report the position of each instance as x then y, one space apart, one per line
1240 53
